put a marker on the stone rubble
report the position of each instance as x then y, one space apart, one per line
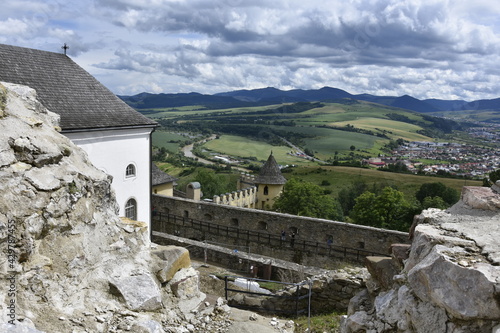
78 267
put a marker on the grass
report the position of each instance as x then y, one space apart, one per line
164 139
319 324
341 177
244 147
394 129
170 169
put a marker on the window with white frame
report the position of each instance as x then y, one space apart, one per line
131 209
130 171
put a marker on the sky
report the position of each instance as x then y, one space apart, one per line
423 48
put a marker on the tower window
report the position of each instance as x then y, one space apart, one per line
266 190
130 171
131 209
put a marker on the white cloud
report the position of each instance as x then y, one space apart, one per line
432 48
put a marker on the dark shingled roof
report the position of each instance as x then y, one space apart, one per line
270 173
159 177
67 89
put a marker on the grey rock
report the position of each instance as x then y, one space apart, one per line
441 281
140 292
19 327
148 326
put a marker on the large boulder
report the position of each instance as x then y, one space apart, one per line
450 280
455 280
170 260
61 239
140 292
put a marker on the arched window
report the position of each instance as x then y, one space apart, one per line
130 171
266 190
131 209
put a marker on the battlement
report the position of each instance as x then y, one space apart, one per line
246 198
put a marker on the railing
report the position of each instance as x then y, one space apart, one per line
294 299
163 222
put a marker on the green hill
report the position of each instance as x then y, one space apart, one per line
324 129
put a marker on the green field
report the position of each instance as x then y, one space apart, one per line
340 177
163 138
371 126
243 147
471 115
394 129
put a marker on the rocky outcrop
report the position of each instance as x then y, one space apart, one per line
450 281
68 262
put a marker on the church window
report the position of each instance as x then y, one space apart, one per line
130 171
266 190
131 209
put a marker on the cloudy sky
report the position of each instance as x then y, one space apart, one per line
423 48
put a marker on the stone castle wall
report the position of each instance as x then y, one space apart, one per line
269 225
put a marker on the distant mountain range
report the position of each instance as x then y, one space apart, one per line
269 96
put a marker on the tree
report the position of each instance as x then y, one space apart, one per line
212 183
352 148
307 199
434 202
449 195
493 177
347 196
388 210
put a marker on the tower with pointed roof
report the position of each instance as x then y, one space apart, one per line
269 183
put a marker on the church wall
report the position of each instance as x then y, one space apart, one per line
112 151
310 229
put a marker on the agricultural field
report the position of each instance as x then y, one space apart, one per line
324 129
471 115
239 146
339 177
393 129
168 140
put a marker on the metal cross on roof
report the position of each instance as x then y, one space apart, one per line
65 47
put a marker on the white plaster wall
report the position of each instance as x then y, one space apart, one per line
111 151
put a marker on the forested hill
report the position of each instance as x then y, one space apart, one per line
269 96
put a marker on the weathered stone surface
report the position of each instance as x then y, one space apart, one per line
185 283
400 252
450 281
140 292
172 259
480 198
149 326
382 269
441 280
356 323
18 328
60 212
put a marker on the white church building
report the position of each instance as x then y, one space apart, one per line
116 138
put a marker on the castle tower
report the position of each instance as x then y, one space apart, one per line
269 183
